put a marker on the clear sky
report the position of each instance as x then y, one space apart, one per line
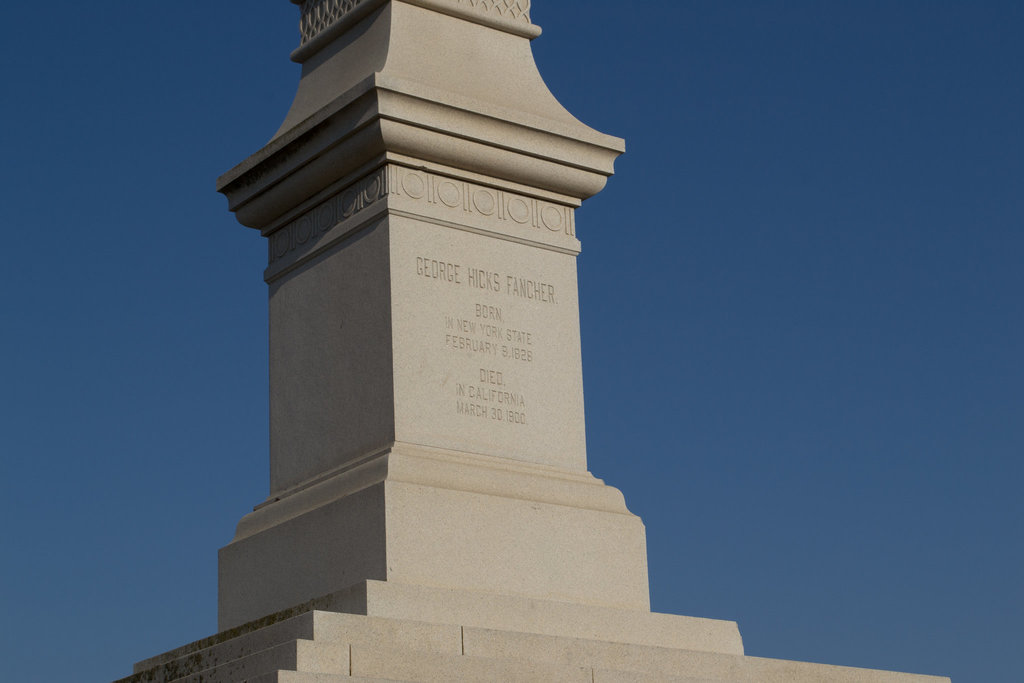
801 309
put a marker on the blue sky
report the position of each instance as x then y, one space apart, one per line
800 299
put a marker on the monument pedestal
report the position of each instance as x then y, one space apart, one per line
432 518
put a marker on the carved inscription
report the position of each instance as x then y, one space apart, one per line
311 225
486 332
487 339
488 398
512 284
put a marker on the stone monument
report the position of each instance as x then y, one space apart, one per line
431 515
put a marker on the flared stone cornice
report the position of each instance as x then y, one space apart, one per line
410 79
385 117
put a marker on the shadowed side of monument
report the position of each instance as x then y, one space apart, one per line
430 513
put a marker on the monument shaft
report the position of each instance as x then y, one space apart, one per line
418 321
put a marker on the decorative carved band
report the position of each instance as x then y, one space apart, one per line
307 228
319 15
518 10
446 198
454 197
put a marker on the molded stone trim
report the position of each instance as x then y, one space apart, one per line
427 195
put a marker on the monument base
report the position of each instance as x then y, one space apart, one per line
379 631
443 519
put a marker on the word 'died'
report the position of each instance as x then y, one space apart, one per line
489 399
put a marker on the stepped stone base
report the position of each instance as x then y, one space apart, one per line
409 633
413 515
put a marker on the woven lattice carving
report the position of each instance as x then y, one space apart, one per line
317 15
510 9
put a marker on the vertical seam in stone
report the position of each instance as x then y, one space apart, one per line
462 632
350 660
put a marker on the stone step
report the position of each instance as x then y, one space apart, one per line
298 655
427 667
338 647
528 615
306 677
262 637
609 662
644 663
610 676
391 602
613 657
759 670
318 626
217 650
503 656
